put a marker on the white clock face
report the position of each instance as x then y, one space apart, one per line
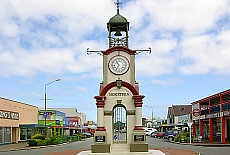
118 65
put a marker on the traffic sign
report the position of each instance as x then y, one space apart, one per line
45 114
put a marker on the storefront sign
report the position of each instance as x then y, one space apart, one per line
100 138
9 115
196 112
213 115
139 138
226 113
47 113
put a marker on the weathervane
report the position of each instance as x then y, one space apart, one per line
118 5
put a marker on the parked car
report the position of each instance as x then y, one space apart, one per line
87 134
148 131
154 134
170 134
123 131
160 135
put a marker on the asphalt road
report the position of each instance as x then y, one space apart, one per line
204 150
153 143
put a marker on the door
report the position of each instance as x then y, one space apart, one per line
119 124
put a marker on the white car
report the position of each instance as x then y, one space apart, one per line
148 131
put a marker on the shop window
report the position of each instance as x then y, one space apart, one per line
1 135
215 109
29 133
205 111
23 134
41 117
7 135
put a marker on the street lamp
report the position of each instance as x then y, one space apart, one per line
152 113
45 114
190 122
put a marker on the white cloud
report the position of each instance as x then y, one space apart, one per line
52 36
82 89
168 82
160 61
206 53
191 16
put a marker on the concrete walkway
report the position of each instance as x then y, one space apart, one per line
24 146
13 147
166 151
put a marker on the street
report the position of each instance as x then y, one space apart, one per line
163 143
153 143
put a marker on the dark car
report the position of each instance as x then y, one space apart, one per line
171 134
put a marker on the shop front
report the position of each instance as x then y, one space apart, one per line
12 114
54 122
213 120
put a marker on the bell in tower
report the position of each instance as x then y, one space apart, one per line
118 28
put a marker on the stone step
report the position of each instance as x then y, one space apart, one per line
151 152
120 148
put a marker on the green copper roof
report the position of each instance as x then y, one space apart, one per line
117 19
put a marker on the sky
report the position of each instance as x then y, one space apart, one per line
41 41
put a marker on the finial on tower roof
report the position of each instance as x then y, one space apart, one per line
118 3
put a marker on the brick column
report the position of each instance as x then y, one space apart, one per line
222 119
210 130
223 140
138 114
100 102
193 128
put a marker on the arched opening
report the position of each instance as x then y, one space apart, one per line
119 124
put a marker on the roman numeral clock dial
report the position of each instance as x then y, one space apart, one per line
118 65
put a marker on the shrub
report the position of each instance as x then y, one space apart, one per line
32 142
55 140
42 143
48 141
177 138
64 139
83 136
38 136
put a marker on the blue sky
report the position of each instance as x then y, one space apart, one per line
41 41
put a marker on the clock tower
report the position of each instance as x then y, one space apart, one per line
119 103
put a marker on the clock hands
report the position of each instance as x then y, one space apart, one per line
118 65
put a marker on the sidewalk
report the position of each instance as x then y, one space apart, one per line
13 147
24 146
204 144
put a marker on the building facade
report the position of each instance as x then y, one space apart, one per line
56 122
12 115
73 113
178 116
71 121
211 117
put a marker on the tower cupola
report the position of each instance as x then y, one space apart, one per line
118 27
